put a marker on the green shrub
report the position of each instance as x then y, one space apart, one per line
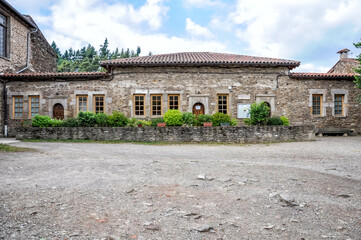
189 118
56 123
42 121
132 122
70 122
258 114
234 122
102 120
144 123
203 118
274 121
155 121
117 119
173 118
285 121
219 118
86 119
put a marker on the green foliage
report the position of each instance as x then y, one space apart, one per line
144 123
132 122
258 114
70 122
219 118
274 121
203 118
42 121
173 118
56 123
234 122
285 121
102 120
87 58
357 80
155 121
117 119
86 119
189 118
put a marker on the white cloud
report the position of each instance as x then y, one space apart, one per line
283 28
197 30
310 67
75 23
203 3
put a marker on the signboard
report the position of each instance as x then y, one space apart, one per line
198 107
243 97
243 110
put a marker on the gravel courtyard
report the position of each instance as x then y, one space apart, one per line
307 190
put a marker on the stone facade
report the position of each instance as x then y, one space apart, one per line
259 134
345 65
243 85
42 58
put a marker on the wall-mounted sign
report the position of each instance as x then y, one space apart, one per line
243 110
198 107
246 97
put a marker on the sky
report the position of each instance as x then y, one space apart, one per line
310 31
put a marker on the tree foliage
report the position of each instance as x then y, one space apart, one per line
358 70
87 58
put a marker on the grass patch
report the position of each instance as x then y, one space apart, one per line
8 148
133 142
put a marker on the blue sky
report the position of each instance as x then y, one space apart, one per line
311 31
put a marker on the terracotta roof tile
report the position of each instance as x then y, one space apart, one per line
199 59
322 75
343 50
53 75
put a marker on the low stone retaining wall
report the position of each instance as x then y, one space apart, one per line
244 134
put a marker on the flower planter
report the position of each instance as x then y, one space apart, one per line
209 124
140 125
161 124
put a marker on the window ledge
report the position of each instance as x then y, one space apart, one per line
5 58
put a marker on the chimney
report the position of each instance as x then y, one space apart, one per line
343 53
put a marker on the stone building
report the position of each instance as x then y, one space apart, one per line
23 48
146 87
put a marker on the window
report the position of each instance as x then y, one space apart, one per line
316 105
339 105
3 35
99 103
156 102
139 105
173 102
34 106
82 103
18 107
223 103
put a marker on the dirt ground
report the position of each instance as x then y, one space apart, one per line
306 190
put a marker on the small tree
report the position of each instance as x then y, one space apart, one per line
258 113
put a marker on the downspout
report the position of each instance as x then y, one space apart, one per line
5 109
28 51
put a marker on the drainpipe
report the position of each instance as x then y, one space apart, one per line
28 51
5 109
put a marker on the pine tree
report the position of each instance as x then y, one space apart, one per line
104 51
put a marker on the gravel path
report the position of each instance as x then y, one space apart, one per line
308 190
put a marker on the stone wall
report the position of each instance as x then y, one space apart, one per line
345 65
247 134
16 58
288 97
1 110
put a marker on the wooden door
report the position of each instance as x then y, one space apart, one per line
198 108
58 111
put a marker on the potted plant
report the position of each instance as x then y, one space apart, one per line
207 124
161 124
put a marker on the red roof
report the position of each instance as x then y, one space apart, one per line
200 59
53 75
343 50
322 75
